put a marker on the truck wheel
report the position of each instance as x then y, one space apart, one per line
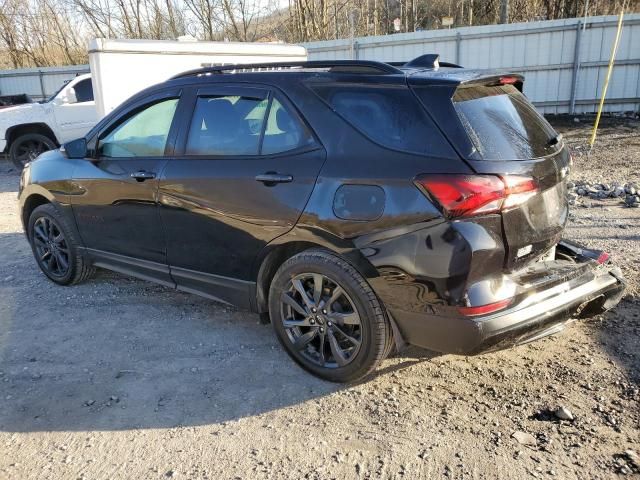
327 317
27 147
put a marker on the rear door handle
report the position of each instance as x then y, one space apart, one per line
271 178
141 175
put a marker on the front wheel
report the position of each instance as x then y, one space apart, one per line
55 246
327 317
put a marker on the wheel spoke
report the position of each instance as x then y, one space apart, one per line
38 230
46 254
289 300
336 351
297 284
337 293
296 323
345 318
58 238
61 261
321 350
303 340
317 287
352 340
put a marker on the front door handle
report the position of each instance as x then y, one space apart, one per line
142 175
271 178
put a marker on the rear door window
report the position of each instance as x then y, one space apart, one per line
388 115
283 131
502 124
226 125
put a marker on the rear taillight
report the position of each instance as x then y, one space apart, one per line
468 195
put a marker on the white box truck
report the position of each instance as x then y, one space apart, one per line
119 69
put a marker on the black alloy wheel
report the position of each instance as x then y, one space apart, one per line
52 251
321 321
327 317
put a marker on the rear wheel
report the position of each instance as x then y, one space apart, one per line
327 317
27 147
55 247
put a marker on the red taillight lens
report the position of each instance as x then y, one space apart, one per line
468 195
485 309
464 195
509 80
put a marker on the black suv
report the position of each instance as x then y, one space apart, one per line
360 205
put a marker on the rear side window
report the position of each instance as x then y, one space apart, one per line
226 125
283 131
502 124
388 115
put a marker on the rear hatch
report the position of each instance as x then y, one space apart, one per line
498 131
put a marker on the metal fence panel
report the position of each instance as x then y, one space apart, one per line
38 83
545 52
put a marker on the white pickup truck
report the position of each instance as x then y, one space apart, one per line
119 69
29 129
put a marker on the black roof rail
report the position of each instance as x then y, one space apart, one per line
343 66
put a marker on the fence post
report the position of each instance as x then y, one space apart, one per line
41 76
576 68
458 42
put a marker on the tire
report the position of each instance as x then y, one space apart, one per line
346 308
27 147
49 231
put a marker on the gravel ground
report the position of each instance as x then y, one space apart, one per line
118 378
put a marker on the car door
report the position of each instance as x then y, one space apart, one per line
243 170
116 206
76 113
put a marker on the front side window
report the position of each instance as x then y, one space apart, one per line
226 125
142 135
83 91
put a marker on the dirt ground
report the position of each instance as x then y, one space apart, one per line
119 378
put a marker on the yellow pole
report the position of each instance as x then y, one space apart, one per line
606 80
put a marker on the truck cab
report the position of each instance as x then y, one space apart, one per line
30 129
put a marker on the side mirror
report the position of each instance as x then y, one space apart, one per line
75 148
71 96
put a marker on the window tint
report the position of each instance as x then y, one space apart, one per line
142 135
226 125
84 91
502 124
283 131
390 116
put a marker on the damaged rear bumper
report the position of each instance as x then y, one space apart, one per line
543 309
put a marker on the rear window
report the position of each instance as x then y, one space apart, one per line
390 116
502 124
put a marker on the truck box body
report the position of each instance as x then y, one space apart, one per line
121 68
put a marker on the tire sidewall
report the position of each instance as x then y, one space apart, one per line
50 212
24 138
315 264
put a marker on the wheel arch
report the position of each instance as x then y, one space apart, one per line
31 202
299 240
25 128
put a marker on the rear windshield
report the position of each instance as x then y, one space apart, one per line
502 124
388 115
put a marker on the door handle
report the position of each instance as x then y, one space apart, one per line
141 175
271 178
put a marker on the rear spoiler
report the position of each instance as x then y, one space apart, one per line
494 79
